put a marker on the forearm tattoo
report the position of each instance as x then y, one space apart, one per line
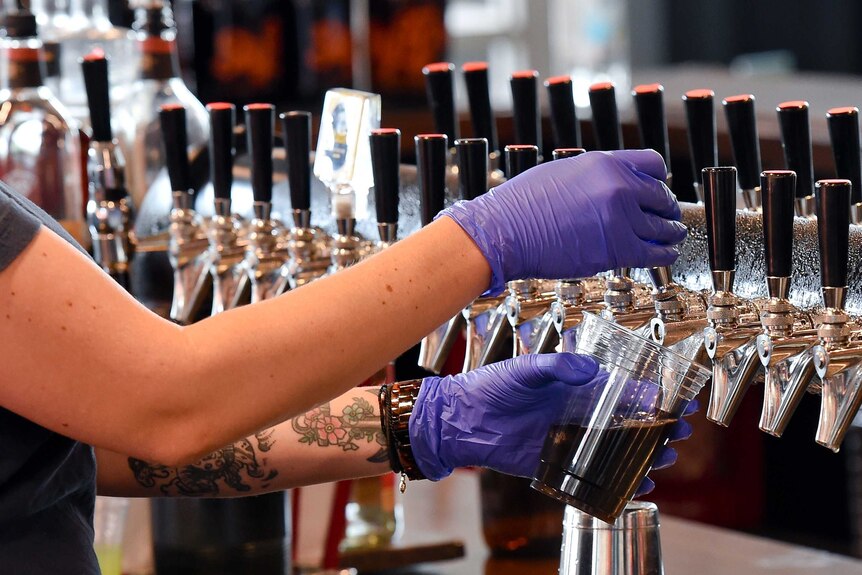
357 423
239 467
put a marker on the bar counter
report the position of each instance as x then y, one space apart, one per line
450 510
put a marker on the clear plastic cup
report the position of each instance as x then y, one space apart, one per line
109 522
595 457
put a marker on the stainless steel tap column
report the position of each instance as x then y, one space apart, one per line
702 142
109 206
188 247
730 338
225 230
266 251
796 143
784 347
432 151
844 135
742 124
307 246
838 358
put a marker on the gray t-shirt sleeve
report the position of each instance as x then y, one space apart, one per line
18 227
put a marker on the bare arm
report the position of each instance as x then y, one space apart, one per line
337 440
81 357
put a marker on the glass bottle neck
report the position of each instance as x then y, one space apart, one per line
21 66
159 58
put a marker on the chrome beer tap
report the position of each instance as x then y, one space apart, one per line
432 151
307 246
528 299
488 330
730 338
838 357
785 345
385 164
844 134
188 246
266 250
742 125
225 229
109 205
796 143
702 142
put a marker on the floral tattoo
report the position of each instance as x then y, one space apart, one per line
357 424
230 468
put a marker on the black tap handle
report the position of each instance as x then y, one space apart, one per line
652 125
701 130
479 98
441 97
778 189
796 142
525 107
385 163
95 68
742 124
719 192
564 117
221 148
606 117
259 125
562 153
472 167
297 143
520 158
431 153
172 118
844 134
832 199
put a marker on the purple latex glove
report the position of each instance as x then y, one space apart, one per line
576 217
498 416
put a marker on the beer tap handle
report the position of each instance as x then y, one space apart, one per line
719 186
525 107
778 188
172 118
260 124
297 143
520 158
221 148
741 122
472 167
796 142
431 153
95 69
832 200
701 132
479 98
652 126
441 98
564 117
606 119
385 163
562 153
844 134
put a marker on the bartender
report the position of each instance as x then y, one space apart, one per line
100 394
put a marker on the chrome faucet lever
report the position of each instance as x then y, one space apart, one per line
784 347
837 358
266 250
188 248
730 338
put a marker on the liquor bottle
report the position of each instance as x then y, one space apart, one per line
159 83
77 27
40 153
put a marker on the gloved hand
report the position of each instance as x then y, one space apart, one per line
576 217
498 416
